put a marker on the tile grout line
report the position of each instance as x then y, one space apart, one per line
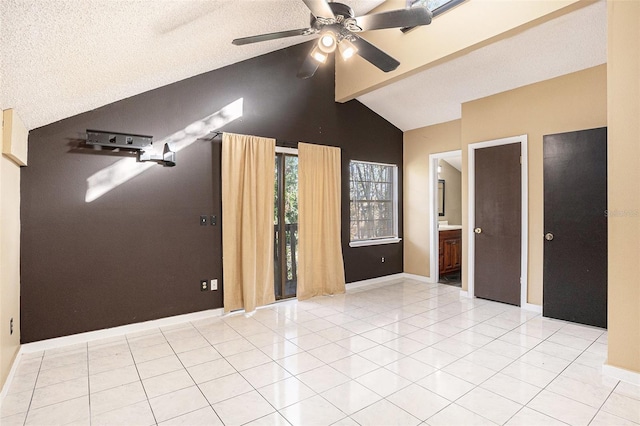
556 376
493 375
604 402
33 391
295 376
135 364
89 385
371 304
187 371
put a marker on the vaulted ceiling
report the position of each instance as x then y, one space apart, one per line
63 57
566 44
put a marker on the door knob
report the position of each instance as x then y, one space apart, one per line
478 230
548 236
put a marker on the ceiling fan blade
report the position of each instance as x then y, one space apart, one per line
270 36
395 19
374 55
309 67
319 8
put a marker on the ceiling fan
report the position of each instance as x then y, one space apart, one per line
337 26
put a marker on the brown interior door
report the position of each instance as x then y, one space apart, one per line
498 207
575 223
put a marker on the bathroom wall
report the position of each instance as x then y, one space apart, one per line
453 193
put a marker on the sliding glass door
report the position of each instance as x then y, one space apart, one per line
286 226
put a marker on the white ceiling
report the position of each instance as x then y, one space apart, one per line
569 43
63 57
59 58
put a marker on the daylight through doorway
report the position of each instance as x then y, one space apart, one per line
286 226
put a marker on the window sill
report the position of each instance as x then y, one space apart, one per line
364 243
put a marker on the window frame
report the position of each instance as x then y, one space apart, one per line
435 12
395 222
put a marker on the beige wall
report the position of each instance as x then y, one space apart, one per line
418 145
572 102
9 253
453 193
623 79
451 34
9 264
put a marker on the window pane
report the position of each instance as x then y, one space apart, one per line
372 197
434 4
430 4
291 189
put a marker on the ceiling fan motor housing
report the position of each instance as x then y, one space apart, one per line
338 9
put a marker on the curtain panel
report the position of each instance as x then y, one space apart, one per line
248 173
320 263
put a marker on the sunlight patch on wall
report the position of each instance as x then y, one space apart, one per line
126 169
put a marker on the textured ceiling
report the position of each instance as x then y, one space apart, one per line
569 43
59 58
63 57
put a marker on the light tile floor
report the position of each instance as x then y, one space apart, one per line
398 353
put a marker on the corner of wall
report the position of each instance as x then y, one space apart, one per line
9 260
418 144
623 162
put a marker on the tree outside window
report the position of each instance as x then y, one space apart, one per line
373 201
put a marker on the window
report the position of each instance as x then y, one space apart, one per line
373 203
435 6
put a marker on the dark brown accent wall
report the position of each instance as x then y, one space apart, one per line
138 252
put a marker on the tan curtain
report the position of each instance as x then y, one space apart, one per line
320 264
248 174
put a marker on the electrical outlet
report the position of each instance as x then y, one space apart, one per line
383 260
204 285
214 284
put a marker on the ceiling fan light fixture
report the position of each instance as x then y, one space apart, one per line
347 49
319 55
327 42
334 22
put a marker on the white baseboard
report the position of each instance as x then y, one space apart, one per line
57 342
138 327
628 376
464 293
101 334
533 308
386 278
418 278
12 372
377 280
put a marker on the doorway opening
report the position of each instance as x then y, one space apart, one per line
286 223
445 217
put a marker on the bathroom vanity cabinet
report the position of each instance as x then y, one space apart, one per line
450 250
